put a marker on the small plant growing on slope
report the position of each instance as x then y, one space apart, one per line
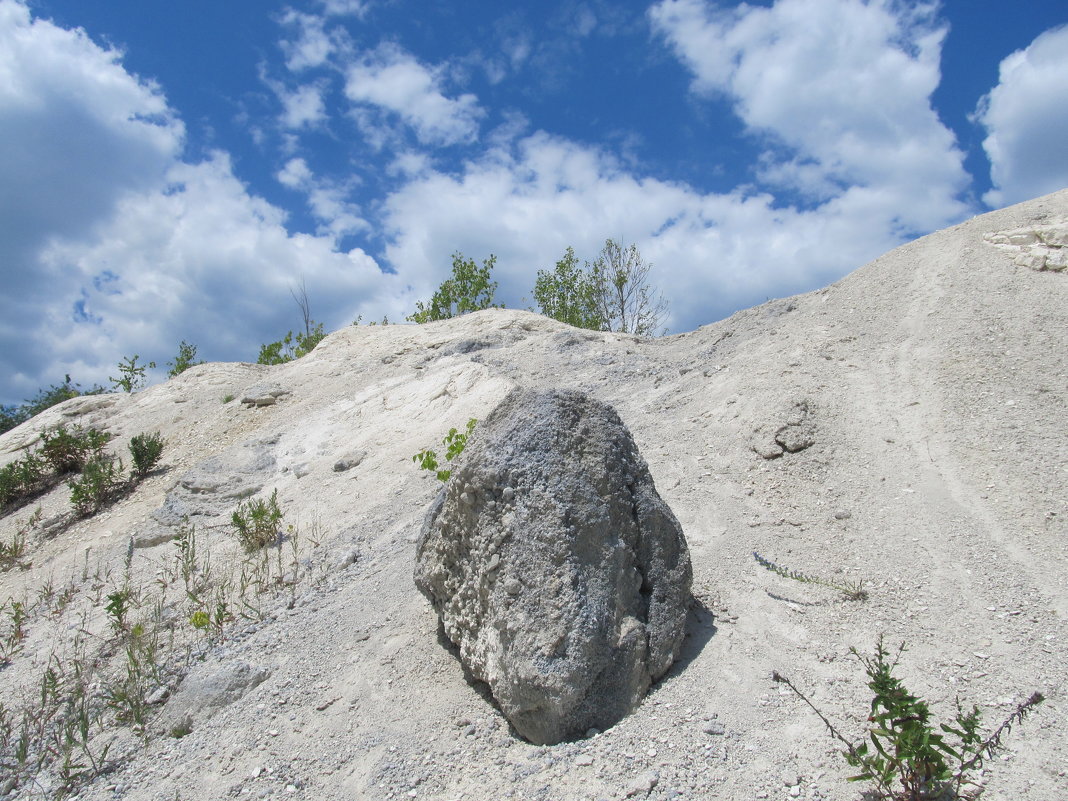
99 482
68 451
903 748
854 591
145 449
256 522
455 442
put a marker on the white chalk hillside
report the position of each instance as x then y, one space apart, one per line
906 427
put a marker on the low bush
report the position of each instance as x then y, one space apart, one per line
99 482
145 450
61 452
68 451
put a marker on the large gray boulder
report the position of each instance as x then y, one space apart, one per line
554 565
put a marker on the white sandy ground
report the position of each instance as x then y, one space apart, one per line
936 386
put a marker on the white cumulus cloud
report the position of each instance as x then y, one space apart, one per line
1026 117
113 245
390 79
839 90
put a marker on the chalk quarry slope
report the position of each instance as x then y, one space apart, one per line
906 427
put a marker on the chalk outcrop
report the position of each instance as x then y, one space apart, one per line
555 567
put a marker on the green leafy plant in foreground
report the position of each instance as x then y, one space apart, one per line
903 754
455 442
853 591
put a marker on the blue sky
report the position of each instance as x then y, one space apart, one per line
172 171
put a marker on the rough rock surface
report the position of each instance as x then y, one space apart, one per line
555 567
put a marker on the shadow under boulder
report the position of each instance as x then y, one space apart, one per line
555 567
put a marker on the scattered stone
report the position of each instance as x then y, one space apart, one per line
797 433
211 686
263 395
604 568
349 461
642 785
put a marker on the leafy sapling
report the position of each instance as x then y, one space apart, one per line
455 442
185 359
131 374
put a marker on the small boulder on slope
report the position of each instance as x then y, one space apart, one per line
555 567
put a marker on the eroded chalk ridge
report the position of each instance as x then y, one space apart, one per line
555 567
1040 247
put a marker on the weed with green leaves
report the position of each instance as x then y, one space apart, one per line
256 522
455 442
903 754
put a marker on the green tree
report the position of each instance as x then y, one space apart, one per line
625 300
184 360
569 294
469 289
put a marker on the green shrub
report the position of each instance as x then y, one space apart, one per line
22 478
61 452
903 748
454 442
67 451
256 522
291 347
145 449
99 482
11 416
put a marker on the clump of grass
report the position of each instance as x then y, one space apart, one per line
853 591
256 522
134 639
12 553
902 753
